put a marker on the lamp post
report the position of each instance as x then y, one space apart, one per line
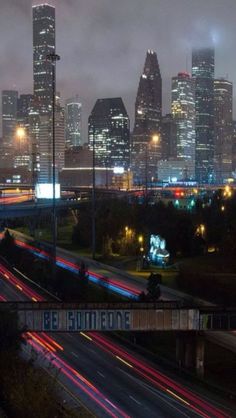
155 139
93 205
53 58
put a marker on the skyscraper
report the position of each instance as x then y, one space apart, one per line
73 122
43 45
203 67
223 97
234 147
9 116
45 146
148 112
168 137
183 113
24 107
109 130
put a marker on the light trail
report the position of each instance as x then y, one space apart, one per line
26 290
157 378
110 284
48 347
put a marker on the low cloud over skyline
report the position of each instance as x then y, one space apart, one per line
103 43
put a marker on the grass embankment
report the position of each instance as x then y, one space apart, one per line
26 391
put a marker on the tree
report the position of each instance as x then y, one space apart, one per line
153 288
10 334
8 246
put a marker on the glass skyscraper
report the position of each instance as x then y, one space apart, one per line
223 124
9 116
148 112
73 122
43 45
203 68
183 113
109 131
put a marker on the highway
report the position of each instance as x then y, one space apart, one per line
113 279
111 380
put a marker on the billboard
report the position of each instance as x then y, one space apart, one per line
45 190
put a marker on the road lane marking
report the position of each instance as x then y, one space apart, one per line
177 397
86 336
100 373
112 404
161 395
125 362
135 400
74 354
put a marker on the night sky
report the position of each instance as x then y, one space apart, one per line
103 43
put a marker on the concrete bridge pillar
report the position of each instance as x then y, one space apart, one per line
190 348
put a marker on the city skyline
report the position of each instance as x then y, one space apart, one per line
127 33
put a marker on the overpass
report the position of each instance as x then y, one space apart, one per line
21 210
131 316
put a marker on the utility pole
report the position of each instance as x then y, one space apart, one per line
93 205
53 58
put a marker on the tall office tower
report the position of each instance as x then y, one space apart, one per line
73 122
148 112
45 146
43 45
234 147
223 125
109 132
24 106
183 113
168 136
203 66
9 117
34 129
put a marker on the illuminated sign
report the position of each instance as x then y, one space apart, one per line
45 191
118 170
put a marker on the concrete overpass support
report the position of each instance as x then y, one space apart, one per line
190 350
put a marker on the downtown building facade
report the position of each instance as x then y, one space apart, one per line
73 108
44 44
223 129
109 133
9 117
183 114
9 125
203 70
23 148
168 137
145 152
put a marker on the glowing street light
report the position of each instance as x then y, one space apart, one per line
140 239
20 135
155 138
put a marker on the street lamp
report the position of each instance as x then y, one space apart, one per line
154 140
53 58
93 205
20 136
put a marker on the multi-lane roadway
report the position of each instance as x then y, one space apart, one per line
111 380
